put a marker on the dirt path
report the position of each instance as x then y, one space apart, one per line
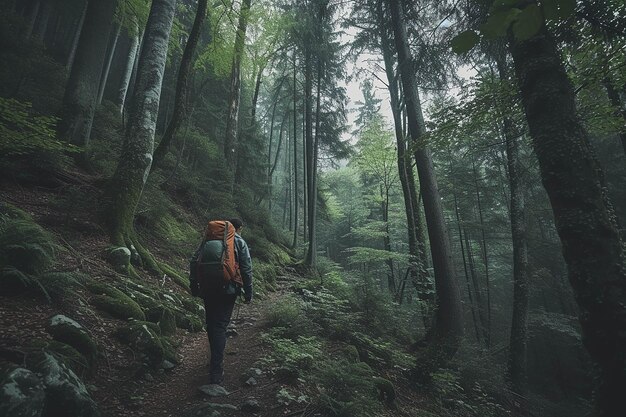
178 394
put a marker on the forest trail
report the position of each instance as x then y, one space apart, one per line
177 394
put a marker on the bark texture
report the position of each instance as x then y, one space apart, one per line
136 157
584 217
81 92
127 72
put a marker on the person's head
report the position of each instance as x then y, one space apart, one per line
237 222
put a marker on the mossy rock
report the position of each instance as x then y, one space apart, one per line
21 393
188 322
169 349
66 394
144 338
115 302
12 212
193 305
164 317
68 331
71 357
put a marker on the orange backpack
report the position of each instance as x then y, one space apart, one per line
216 263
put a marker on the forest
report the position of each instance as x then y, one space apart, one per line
433 194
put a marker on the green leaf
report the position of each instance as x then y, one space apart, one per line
498 23
464 41
529 22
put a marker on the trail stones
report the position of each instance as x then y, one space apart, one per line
21 394
250 406
213 390
251 382
120 258
231 332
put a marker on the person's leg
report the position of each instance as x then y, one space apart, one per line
222 309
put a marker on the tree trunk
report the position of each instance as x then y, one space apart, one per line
417 248
311 150
136 156
585 219
295 157
182 86
72 53
230 140
31 17
448 328
127 73
81 92
486 315
107 65
518 347
41 26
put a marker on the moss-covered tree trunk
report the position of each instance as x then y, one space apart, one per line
136 157
127 72
584 217
81 91
448 327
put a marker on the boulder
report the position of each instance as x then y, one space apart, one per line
164 317
66 395
250 406
21 394
213 390
251 382
68 331
119 258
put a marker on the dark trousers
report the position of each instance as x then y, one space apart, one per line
218 308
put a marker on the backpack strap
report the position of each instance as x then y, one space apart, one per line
225 241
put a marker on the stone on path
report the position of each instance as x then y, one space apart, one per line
250 406
251 381
213 390
21 394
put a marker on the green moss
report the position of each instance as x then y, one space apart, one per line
164 317
71 333
188 321
175 276
351 353
115 302
75 360
143 337
12 212
386 391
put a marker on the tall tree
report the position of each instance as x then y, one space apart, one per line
136 157
81 92
448 326
585 219
230 139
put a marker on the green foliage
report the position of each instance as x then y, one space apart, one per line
349 389
286 314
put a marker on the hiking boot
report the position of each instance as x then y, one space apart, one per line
216 379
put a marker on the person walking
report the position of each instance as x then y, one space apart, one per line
219 301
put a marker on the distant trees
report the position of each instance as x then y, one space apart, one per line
81 92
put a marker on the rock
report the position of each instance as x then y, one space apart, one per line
115 302
225 407
250 406
256 371
135 258
120 258
68 331
188 321
21 394
75 360
167 365
148 377
251 382
386 391
66 395
143 337
232 332
213 390
164 317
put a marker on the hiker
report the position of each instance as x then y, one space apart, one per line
220 269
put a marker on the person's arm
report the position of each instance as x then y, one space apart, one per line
245 267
